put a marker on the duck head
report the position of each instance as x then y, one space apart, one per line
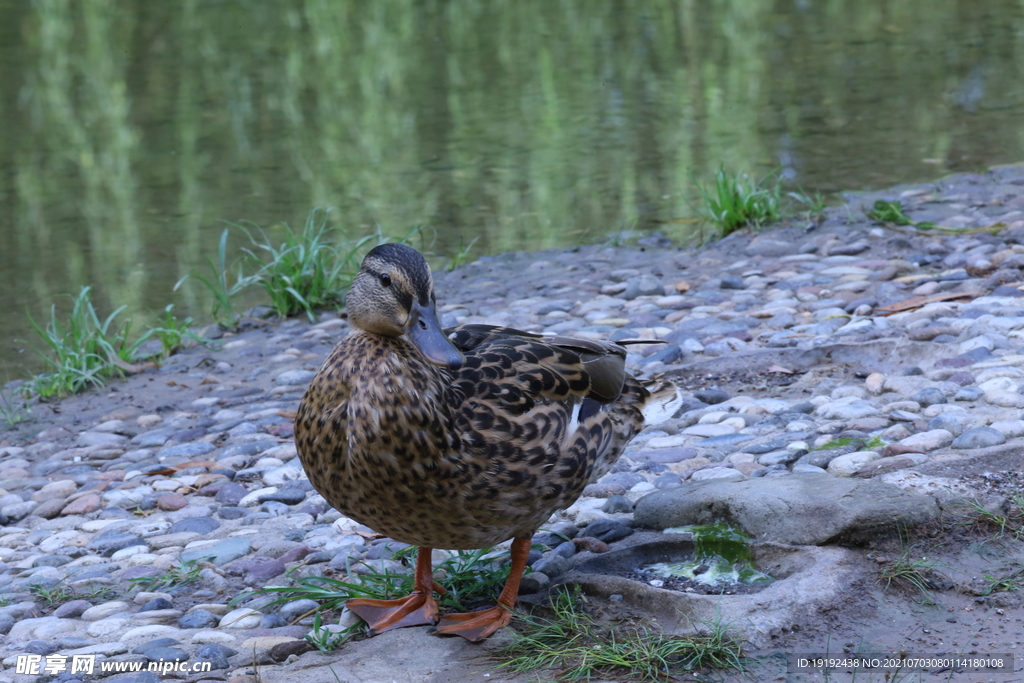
393 295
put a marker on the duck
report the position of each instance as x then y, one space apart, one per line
458 439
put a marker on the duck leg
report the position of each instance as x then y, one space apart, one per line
416 609
475 626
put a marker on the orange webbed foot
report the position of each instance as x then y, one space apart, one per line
474 626
416 609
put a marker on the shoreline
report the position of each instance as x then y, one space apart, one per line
793 368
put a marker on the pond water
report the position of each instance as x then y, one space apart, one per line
133 129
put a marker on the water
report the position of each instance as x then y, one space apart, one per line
131 130
722 556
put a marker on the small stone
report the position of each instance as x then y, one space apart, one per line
717 473
171 501
295 377
156 604
107 609
947 421
195 525
969 393
534 582
90 502
290 611
617 503
106 628
711 396
849 464
221 553
39 647
159 642
1009 428
217 655
552 566
72 609
242 618
199 618
929 396
591 544
603 490
282 651
230 494
928 441
979 437
192 449
607 530
166 654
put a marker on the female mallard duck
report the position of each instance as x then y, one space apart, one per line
459 441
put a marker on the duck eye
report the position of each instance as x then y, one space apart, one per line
385 279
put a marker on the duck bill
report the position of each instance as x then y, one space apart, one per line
425 333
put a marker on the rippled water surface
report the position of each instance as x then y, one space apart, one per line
131 130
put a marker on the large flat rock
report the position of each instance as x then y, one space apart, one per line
801 509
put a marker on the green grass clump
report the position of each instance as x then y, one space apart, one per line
86 351
13 406
185 572
1009 581
912 575
574 647
222 286
310 269
737 200
1003 523
814 204
59 593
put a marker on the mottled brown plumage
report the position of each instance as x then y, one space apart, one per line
462 442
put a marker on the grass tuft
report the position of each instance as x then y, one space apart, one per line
309 270
737 200
913 574
1009 522
185 572
221 285
86 351
58 593
13 406
574 647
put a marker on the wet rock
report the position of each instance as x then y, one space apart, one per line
820 508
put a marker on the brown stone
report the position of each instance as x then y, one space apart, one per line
171 501
82 505
594 545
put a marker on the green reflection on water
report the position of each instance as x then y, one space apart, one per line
131 128
722 556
